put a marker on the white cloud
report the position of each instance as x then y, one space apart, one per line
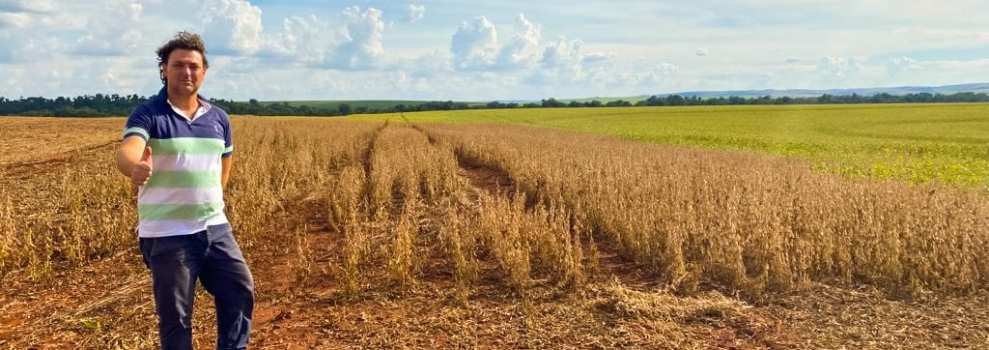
231 27
776 44
76 77
927 37
302 39
428 65
27 48
563 53
415 14
599 57
520 51
570 58
13 20
10 82
362 40
15 6
562 62
838 68
475 47
115 32
116 79
661 74
475 44
356 42
898 65
623 79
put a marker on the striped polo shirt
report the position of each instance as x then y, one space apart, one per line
184 193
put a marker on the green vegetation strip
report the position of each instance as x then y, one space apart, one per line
907 142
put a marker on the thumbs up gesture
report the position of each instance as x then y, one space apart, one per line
142 170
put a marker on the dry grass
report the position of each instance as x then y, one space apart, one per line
391 235
740 222
34 139
71 209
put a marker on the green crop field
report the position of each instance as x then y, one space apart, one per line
915 143
374 104
371 104
630 99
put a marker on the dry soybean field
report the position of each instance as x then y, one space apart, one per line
535 229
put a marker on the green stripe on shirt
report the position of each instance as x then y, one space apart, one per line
186 145
193 212
184 179
137 130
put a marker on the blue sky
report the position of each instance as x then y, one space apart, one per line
485 50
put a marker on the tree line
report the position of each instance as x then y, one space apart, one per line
100 105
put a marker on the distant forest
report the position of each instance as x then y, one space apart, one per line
101 105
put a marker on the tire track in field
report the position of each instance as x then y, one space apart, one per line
430 137
367 158
496 181
25 169
316 246
489 178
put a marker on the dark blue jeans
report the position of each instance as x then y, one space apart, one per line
214 258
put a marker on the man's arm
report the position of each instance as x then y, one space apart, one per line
134 160
225 175
129 154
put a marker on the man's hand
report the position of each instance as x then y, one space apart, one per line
142 170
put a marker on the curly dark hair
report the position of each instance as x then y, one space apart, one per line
183 40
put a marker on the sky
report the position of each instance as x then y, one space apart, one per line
484 50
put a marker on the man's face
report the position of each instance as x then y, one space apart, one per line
185 72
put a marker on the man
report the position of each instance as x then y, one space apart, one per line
177 150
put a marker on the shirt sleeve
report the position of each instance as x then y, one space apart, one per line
139 123
228 138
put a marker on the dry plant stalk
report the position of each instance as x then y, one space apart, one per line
303 258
